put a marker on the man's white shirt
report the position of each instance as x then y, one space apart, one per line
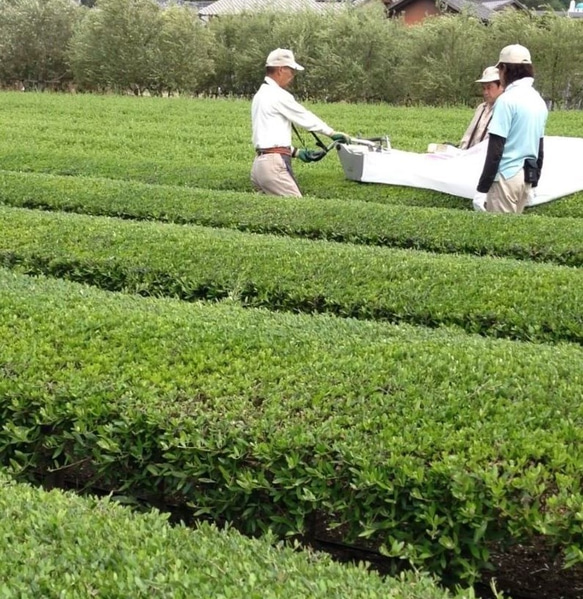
273 110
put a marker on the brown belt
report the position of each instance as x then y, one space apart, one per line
286 151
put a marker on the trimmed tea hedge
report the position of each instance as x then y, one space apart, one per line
483 295
207 142
431 444
338 220
59 545
180 141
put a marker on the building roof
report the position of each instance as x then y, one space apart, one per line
192 4
231 7
500 4
482 9
477 8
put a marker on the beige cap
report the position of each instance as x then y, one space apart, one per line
490 74
280 57
514 54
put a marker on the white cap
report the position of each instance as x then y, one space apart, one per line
280 57
490 74
514 54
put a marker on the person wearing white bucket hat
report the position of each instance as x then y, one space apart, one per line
273 111
514 158
478 128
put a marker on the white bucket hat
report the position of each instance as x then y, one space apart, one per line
490 74
280 57
514 54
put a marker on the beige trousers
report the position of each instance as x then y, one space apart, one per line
508 195
272 174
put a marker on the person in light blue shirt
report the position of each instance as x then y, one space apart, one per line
514 158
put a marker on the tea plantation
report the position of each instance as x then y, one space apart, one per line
373 366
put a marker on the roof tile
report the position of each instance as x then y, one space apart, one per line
229 7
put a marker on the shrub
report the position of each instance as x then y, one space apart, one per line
481 295
34 37
429 444
556 46
442 59
116 46
184 60
59 545
369 223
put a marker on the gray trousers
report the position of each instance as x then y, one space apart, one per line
272 174
508 195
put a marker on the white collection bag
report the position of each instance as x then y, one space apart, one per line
457 172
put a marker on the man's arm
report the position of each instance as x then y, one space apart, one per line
492 162
297 114
464 143
540 158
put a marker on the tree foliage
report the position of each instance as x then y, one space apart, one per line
34 35
354 55
116 46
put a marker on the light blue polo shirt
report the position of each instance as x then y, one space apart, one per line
519 115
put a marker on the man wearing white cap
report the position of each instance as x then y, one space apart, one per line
515 152
478 127
272 113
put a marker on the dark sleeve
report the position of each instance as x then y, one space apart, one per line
492 162
541 155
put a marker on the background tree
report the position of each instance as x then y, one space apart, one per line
34 36
355 55
442 60
556 45
117 46
185 46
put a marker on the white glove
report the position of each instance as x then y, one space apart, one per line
531 196
479 201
